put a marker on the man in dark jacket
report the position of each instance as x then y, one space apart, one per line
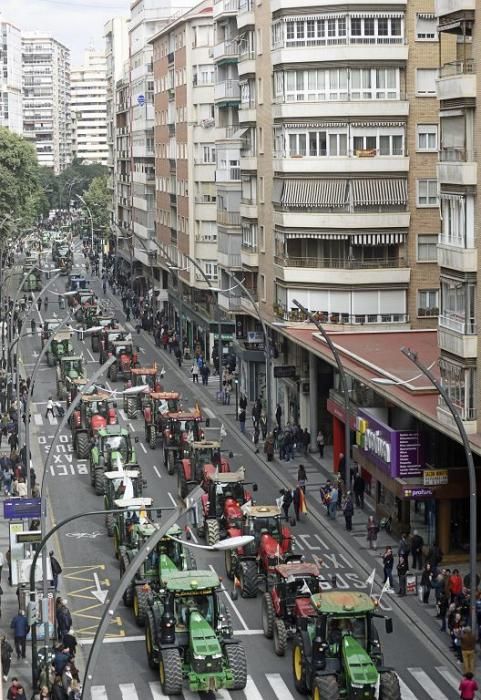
56 569
64 620
359 487
20 628
402 569
417 544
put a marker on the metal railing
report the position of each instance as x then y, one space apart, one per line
457 324
465 412
340 263
340 41
228 217
457 68
296 315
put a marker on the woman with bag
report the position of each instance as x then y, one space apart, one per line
426 583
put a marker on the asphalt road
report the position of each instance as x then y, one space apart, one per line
425 668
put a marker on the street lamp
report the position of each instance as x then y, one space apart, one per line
91 220
345 391
413 356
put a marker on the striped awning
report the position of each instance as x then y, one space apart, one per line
376 238
306 18
379 15
379 191
318 234
452 197
314 193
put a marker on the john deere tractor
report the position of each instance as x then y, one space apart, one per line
121 484
336 653
61 346
110 445
188 636
70 375
49 326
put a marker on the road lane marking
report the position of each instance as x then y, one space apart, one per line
173 500
143 447
98 692
123 414
207 411
157 472
90 355
37 419
251 691
223 694
449 677
128 691
52 421
231 603
132 430
156 690
406 692
427 684
279 687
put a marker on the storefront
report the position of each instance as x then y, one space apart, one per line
338 414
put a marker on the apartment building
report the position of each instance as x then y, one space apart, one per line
46 99
460 146
88 84
11 77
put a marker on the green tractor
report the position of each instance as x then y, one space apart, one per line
33 280
120 484
111 445
61 346
70 376
189 638
337 653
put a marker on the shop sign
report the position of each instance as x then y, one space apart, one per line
226 337
255 337
435 477
397 452
285 371
18 508
417 492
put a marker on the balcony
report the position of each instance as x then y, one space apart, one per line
239 304
227 91
228 174
375 49
225 7
228 218
333 271
229 260
227 51
342 164
457 167
467 415
246 16
457 336
248 159
247 63
247 112
449 7
332 320
226 133
454 256
248 209
457 80
341 219
249 256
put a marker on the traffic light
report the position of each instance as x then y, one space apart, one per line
32 613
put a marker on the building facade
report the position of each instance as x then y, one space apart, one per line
89 109
46 99
11 78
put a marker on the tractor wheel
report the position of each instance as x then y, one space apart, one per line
149 641
389 688
113 371
50 359
212 531
82 446
170 462
95 343
170 672
237 663
92 474
299 666
268 615
99 481
61 391
280 637
109 524
229 565
128 596
182 488
248 579
117 546
152 437
131 408
325 688
140 605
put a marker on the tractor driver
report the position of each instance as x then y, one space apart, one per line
203 606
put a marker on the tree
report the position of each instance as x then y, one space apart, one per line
98 200
21 194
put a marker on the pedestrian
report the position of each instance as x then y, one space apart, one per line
12 691
297 501
348 510
55 568
75 691
332 506
341 464
372 530
443 605
243 401
6 652
44 694
306 440
359 488
269 447
33 326
49 408
455 586
402 570
468 687
205 371
20 627
58 691
178 356
434 556
195 372
426 582
278 415
302 477
45 303
388 565
468 646
39 303
404 548
417 544
227 391
286 500
64 620
242 420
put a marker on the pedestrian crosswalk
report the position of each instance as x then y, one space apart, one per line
416 684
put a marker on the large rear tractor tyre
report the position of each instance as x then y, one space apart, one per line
131 408
171 462
280 637
149 642
109 524
325 688
61 391
229 565
237 662
99 481
389 688
113 371
248 579
212 534
152 437
140 605
95 343
82 444
182 488
268 615
299 666
128 596
170 672
50 359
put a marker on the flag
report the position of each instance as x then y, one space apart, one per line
385 588
371 578
236 582
223 432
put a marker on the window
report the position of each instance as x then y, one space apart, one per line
260 139
426 27
315 144
426 82
458 306
325 84
260 189
427 193
460 383
208 153
260 91
262 239
428 302
210 269
427 137
263 287
427 247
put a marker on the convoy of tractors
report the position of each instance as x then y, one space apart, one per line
189 639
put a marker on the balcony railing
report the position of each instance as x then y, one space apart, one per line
228 218
457 68
297 315
227 89
457 324
246 5
455 155
340 263
227 174
465 412
282 43
227 48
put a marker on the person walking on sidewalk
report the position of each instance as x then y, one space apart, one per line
6 652
49 408
348 510
426 582
358 486
278 415
320 443
332 505
242 420
302 477
20 627
417 544
468 647
402 570
372 530
468 687
195 372
388 565
268 446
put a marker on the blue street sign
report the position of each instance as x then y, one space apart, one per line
141 100
18 508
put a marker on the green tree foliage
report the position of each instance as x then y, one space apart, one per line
98 200
21 193
72 181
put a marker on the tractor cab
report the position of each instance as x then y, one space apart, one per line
99 409
61 344
263 521
76 282
226 494
116 443
145 376
132 524
48 327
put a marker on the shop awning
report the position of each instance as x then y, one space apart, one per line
379 191
376 238
314 193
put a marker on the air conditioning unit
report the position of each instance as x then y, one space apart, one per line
207 123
